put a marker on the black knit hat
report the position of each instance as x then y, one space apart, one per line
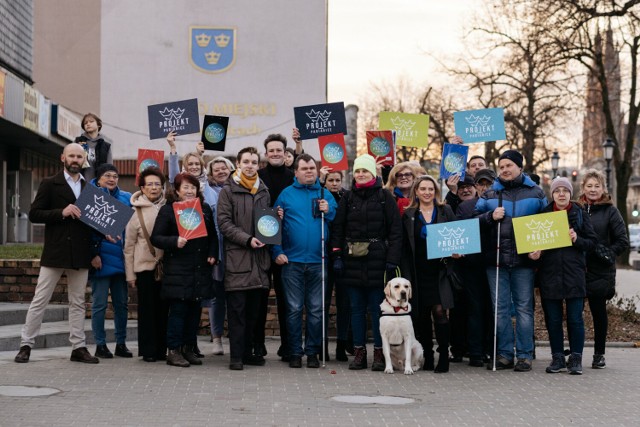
514 156
107 167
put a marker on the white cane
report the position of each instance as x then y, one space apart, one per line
324 356
495 309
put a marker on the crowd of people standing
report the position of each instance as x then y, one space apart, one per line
373 232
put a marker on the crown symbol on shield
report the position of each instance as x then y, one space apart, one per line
222 40
212 57
203 40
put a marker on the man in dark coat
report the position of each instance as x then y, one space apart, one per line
66 251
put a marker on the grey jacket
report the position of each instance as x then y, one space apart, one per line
245 268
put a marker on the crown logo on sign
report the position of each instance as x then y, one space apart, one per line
203 40
222 40
212 57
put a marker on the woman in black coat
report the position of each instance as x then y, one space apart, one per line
601 274
187 272
366 216
562 279
433 297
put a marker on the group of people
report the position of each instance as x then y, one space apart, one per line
351 241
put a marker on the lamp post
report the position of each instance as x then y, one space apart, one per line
555 160
608 146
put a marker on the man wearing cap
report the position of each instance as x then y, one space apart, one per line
512 195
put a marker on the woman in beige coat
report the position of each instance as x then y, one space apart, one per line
247 258
140 264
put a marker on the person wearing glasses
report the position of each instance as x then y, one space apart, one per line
107 274
140 263
400 182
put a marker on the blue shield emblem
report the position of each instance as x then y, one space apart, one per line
213 50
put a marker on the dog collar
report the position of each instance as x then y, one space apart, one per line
397 309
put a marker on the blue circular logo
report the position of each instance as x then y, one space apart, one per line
380 147
268 226
454 162
190 219
333 152
214 133
148 163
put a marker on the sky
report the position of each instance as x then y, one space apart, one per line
378 40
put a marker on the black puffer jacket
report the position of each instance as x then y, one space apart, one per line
562 271
364 214
187 274
612 232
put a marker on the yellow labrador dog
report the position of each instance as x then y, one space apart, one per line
401 349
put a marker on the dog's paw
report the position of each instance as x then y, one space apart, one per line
408 371
388 370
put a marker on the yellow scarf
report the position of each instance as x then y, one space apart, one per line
250 184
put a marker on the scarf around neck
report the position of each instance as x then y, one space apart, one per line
250 184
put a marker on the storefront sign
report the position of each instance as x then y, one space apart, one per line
65 123
31 108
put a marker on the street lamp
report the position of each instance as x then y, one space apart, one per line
608 146
555 160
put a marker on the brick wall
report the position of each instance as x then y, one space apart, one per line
18 279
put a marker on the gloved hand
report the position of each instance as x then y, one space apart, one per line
390 269
338 266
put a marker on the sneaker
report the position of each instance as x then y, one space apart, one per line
295 362
217 346
175 358
502 363
523 365
312 361
103 352
575 364
598 361
25 352
558 364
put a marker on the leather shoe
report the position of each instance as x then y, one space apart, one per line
295 362
254 360
123 351
312 361
103 352
149 359
82 355
236 365
23 355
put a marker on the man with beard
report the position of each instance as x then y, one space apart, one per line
66 251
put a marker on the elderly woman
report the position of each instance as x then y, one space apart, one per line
141 258
601 274
366 245
187 272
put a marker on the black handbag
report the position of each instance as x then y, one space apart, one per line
450 277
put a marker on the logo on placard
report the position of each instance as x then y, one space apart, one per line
148 163
173 119
454 162
189 218
404 127
100 213
268 226
452 239
540 232
479 126
380 147
213 49
214 133
333 152
320 121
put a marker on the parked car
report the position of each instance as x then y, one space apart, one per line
634 237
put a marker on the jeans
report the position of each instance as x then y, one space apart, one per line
302 285
575 324
363 299
100 288
183 322
516 284
218 310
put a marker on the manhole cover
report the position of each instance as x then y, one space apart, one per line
379 400
26 391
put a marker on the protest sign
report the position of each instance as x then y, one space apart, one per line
480 125
542 231
103 212
148 159
214 132
455 237
412 130
333 152
314 121
268 226
381 144
179 116
454 160
190 219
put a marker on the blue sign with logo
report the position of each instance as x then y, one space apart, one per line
454 160
321 119
455 237
179 116
103 212
212 49
480 125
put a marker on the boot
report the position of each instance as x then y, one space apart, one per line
349 348
378 359
217 346
427 346
190 355
174 358
341 351
197 352
442 337
574 365
558 364
360 359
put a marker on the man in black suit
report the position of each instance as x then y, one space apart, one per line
66 251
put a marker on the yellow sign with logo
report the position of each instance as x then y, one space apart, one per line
412 130
542 231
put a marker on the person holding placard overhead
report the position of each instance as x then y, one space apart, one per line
187 271
562 280
512 195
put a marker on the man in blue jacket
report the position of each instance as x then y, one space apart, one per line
512 195
301 257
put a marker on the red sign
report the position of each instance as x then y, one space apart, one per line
149 158
333 152
381 144
189 218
